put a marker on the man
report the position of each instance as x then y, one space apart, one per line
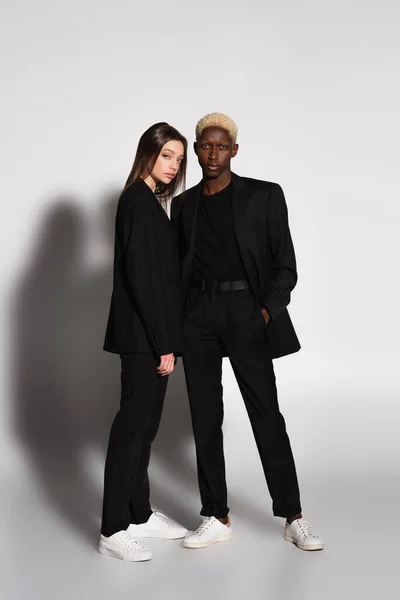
238 270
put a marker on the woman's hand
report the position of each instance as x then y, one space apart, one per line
167 363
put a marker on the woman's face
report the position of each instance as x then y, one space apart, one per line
168 162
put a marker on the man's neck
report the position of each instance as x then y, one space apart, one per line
213 186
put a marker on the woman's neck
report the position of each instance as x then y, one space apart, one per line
151 183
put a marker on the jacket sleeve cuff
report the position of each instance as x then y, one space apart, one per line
159 348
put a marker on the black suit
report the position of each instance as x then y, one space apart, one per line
144 324
231 324
265 246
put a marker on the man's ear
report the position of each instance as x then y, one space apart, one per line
235 150
195 148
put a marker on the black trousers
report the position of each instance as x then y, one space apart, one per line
231 323
126 482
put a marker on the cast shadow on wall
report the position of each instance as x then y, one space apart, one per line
66 388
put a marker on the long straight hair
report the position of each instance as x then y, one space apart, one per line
149 148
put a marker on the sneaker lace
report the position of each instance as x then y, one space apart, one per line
128 541
204 526
162 518
305 528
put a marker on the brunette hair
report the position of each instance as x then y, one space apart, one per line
149 148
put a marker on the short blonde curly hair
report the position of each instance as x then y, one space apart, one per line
217 120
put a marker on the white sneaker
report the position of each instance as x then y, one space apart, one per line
300 533
158 526
209 532
121 545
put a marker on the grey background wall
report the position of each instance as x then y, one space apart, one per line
314 89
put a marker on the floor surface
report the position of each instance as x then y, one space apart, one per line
50 555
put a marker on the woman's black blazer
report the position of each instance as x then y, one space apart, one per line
145 312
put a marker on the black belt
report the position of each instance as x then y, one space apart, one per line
219 286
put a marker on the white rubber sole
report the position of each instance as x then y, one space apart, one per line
310 548
196 545
158 535
128 558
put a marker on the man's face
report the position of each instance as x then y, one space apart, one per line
215 150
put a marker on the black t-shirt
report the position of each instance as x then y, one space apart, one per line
216 252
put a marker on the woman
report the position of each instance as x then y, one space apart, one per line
144 329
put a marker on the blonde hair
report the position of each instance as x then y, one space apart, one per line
217 120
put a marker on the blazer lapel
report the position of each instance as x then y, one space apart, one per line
240 206
191 207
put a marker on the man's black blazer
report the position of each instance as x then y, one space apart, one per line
145 312
265 245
